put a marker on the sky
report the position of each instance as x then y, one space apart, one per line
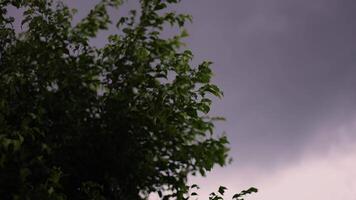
287 69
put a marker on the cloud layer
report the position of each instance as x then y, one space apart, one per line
317 175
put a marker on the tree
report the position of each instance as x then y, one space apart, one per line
117 122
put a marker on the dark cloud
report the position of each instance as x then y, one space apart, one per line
285 67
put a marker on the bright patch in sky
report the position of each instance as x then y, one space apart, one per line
327 175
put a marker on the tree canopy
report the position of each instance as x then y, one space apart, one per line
117 122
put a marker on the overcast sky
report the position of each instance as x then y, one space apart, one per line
288 72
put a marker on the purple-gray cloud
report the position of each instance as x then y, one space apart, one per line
285 67
288 72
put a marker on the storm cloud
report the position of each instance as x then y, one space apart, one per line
288 72
286 68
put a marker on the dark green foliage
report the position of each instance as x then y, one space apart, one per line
238 196
244 192
118 122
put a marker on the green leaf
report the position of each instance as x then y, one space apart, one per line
160 6
222 190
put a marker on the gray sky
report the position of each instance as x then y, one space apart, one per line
288 72
287 69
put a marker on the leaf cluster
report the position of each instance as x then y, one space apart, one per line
238 196
118 122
